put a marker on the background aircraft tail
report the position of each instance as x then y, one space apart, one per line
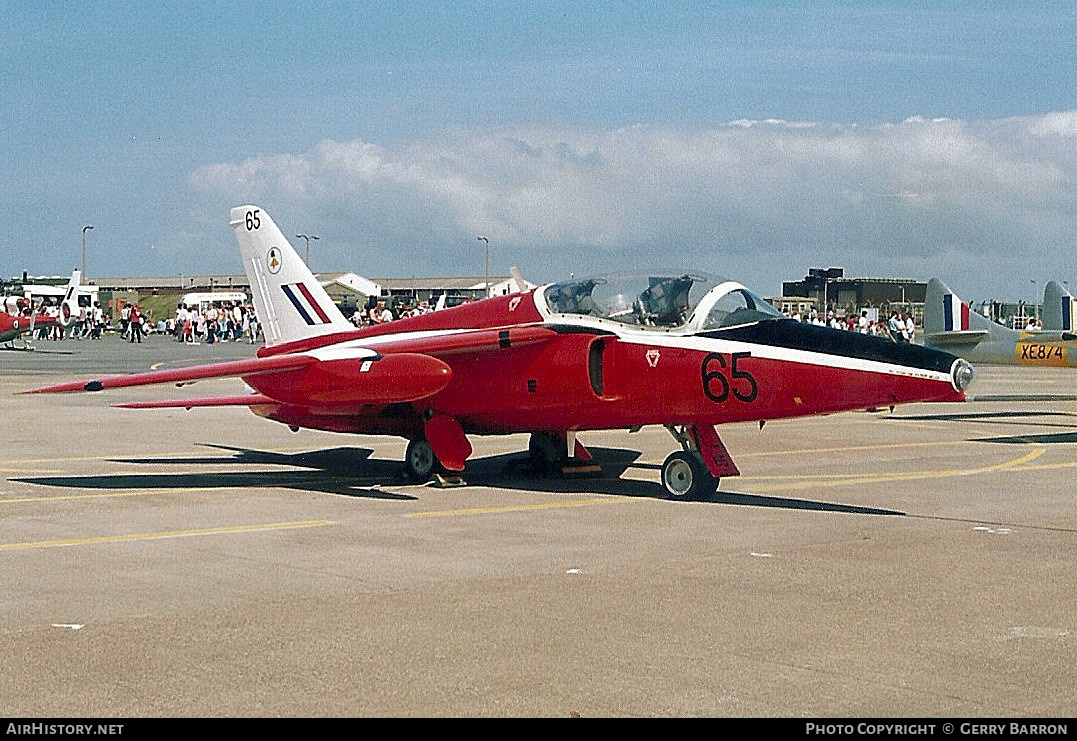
521 284
69 306
1059 309
289 301
949 322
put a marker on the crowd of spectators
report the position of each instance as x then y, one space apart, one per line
214 322
227 321
380 312
900 327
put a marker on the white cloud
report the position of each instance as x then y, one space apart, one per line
899 197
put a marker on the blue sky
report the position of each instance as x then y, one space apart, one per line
754 140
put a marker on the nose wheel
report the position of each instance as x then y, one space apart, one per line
685 476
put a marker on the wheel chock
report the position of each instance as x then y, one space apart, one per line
448 481
577 469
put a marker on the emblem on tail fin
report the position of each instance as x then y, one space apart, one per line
273 261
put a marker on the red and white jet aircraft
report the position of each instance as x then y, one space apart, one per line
14 324
684 350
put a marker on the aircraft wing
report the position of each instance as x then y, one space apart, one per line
955 339
230 369
326 376
242 400
395 368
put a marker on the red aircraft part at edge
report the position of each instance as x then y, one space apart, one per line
11 326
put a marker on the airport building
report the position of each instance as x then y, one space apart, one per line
349 291
821 287
830 289
846 296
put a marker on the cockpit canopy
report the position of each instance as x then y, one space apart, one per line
661 300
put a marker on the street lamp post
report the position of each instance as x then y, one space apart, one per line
84 230
1035 305
308 238
484 239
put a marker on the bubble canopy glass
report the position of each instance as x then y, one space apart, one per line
661 300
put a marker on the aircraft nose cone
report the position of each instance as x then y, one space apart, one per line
963 374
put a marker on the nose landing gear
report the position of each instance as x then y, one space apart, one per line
685 477
695 471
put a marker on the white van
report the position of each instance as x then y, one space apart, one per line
205 299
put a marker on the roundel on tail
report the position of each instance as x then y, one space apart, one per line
273 260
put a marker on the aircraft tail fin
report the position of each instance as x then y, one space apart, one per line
69 306
289 301
950 322
1059 309
521 284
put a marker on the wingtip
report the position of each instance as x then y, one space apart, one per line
61 388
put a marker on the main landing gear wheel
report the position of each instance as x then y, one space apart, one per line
685 476
420 462
546 452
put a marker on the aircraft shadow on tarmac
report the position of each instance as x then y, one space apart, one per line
37 351
341 471
1008 418
352 472
615 462
1042 439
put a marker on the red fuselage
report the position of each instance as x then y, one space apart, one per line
539 371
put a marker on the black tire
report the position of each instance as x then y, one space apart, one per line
684 476
420 463
547 452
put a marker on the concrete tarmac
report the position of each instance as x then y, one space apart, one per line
166 563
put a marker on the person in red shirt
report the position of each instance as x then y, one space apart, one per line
136 324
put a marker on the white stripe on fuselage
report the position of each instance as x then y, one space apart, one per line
651 338
382 339
775 352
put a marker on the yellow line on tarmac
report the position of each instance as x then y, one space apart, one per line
851 448
162 535
189 453
910 476
516 507
282 484
1050 466
109 495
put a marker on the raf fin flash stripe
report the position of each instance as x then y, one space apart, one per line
955 312
304 303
